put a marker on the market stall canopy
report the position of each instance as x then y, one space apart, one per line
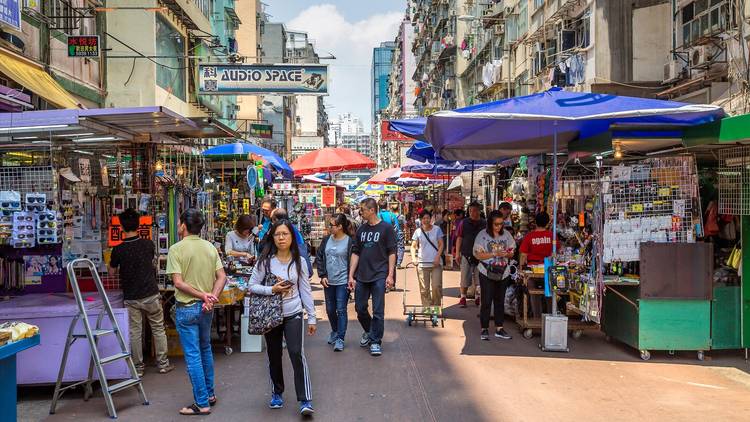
330 160
33 77
385 177
99 125
527 125
413 128
412 181
250 152
456 183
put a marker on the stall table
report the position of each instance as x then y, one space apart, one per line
52 313
8 384
528 325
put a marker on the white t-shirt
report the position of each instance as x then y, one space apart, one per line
234 242
427 252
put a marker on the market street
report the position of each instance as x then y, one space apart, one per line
445 374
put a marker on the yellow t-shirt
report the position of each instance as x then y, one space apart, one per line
197 260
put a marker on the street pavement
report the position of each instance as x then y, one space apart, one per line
443 374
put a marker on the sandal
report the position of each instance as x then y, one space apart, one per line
212 401
194 411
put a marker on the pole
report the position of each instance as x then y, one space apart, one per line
471 191
554 211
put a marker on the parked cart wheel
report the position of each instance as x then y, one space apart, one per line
527 333
228 350
576 334
645 355
701 355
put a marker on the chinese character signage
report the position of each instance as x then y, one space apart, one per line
10 13
386 134
263 79
260 130
328 196
83 46
116 233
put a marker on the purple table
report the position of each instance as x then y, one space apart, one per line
52 313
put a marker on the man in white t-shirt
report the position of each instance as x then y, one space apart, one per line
428 239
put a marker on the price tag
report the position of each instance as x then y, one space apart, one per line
665 191
636 208
678 207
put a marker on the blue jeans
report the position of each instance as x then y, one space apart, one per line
194 328
337 298
375 324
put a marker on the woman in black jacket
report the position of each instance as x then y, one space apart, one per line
332 261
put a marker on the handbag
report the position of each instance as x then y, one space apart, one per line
265 311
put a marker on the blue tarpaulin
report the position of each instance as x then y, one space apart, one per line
410 127
422 151
527 125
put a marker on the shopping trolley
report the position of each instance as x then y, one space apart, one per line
418 313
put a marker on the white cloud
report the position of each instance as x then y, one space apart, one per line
352 44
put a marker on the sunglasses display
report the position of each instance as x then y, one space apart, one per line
10 205
50 224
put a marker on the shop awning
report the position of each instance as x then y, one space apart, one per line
34 78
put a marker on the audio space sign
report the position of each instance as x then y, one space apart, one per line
239 79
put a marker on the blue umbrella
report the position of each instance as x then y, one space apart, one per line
530 124
410 127
242 148
422 151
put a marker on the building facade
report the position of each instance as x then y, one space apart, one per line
380 76
275 109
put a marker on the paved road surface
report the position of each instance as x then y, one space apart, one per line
445 374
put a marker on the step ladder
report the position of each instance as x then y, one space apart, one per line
93 335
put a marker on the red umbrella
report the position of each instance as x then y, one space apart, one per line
330 160
385 177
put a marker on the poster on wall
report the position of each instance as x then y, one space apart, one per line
116 234
237 78
84 170
37 266
328 196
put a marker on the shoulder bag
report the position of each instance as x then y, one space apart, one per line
265 311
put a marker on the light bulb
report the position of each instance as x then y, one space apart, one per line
618 151
180 171
158 166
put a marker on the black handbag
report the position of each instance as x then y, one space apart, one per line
265 311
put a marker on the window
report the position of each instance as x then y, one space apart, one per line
170 72
523 19
703 18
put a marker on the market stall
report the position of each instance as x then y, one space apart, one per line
64 177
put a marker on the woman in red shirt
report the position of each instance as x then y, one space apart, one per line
537 244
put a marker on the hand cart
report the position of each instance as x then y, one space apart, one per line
417 313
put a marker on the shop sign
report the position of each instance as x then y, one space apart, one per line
328 196
286 187
241 79
386 134
10 13
83 46
260 130
116 233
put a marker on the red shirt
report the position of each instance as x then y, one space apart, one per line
537 245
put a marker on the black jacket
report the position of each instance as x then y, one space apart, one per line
320 257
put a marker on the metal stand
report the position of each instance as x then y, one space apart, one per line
92 335
554 325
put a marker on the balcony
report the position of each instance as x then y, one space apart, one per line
189 13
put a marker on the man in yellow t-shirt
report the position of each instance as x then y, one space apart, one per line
198 276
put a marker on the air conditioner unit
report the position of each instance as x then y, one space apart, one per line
699 55
672 71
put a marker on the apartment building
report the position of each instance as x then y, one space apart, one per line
35 70
310 120
275 110
401 86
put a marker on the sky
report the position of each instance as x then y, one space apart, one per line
348 29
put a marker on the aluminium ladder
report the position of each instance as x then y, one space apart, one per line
92 335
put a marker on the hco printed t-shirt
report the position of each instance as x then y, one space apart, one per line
373 245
